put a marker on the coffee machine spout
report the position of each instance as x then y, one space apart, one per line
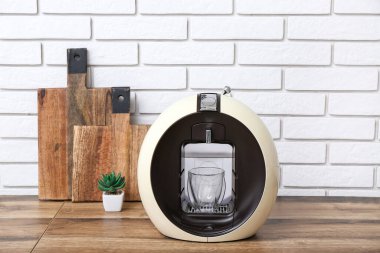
208 135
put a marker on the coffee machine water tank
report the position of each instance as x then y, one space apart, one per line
208 170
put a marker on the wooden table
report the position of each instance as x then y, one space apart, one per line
297 224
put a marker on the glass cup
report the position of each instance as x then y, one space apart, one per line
206 188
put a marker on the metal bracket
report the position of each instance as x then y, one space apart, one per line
121 97
76 60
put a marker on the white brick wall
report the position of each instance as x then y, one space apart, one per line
310 69
327 176
355 153
22 102
283 103
143 28
360 54
32 78
334 28
296 7
46 27
164 53
354 104
88 6
18 151
280 53
186 6
301 152
20 53
329 128
18 126
244 78
357 6
330 79
140 78
18 6
239 28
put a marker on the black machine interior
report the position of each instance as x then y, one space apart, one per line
247 173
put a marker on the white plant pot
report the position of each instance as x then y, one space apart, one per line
113 203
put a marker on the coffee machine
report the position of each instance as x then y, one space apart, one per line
208 170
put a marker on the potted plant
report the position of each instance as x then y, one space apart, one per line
111 185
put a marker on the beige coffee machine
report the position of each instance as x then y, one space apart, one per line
208 170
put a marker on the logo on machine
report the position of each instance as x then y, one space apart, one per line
208 102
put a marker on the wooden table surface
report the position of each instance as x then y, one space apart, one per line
296 224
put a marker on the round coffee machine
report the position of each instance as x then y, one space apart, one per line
208 170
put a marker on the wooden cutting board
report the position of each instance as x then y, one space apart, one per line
102 149
98 150
59 110
91 158
85 107
104 116
52 161
121 134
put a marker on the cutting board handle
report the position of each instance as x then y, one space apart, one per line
121 99
77 60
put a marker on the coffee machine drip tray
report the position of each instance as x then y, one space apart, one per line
221 209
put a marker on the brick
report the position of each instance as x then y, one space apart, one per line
19 191
301 152
88 6
168 28
280 53
283 7
25 53
236 78
334 28
18 126
329 128
354 104
187 53
18 102
237 28
357 6
99 53
32 77
331 79
144 119
140 78
273 125
354 193
147 102
18 6
18 151
355 153
37 27
19 175
327 176
357 53
283 103
185 6
301 192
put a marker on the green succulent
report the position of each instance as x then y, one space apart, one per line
111 183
